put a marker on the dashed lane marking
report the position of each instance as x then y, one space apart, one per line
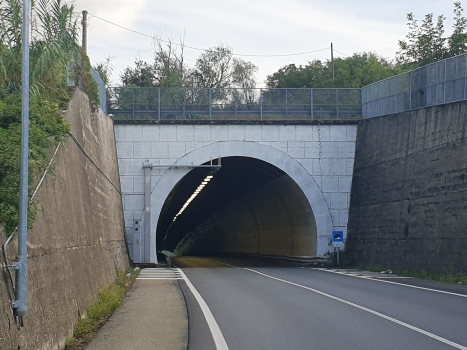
376 313
379 279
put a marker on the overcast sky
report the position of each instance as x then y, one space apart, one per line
254 27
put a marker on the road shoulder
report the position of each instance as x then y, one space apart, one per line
152 316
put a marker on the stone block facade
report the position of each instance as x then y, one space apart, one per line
325 151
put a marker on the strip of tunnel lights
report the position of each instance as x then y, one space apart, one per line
193 196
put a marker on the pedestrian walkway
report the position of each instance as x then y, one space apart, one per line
152 317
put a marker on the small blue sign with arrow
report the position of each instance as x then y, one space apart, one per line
337 236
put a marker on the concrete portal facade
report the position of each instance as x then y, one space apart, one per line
319 158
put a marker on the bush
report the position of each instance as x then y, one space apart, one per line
46 129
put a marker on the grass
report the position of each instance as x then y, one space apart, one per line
424 275
109 299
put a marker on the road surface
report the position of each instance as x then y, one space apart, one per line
257 305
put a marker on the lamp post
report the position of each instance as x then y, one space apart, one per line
21 264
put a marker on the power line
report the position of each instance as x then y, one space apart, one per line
203 50
341 53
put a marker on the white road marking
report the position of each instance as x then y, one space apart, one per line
213 326
399 284
160 278
416 329
159 274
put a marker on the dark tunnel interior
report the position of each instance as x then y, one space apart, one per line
248 207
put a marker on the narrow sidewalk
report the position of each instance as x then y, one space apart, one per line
153 316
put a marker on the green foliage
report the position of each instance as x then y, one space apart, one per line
105 69
47 127
425 43
215 68
55 55
53 48
84 326
89 85
54 59
356 71
109 299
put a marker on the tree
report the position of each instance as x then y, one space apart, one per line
142 75
214 68
426 43
217 68
105 69
457 42
356 71
166 70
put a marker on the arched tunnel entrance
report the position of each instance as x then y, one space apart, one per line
265 176
249 206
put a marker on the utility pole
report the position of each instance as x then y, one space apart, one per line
20 304
332 61
84 41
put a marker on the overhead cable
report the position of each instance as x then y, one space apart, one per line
204 50
341 53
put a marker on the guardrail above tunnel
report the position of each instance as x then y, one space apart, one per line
161 104
434 84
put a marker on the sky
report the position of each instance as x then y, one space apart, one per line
254 27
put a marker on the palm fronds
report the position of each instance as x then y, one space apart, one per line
54 49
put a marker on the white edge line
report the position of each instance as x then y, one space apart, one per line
431 335
213 326
399 284
159 278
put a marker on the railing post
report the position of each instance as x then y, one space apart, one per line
210 103
159 104
465 77
410 91
445 81
146 238
311 104
337 103
133 104
286 105
184 103
261 103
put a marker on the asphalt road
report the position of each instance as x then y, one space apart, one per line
259 306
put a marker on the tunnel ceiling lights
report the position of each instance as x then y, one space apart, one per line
193 196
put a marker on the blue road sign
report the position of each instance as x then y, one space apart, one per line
337 236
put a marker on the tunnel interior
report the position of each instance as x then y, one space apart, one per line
248 207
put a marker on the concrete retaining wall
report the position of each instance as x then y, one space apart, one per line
408 207
77 243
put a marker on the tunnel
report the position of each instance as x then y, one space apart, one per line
248 206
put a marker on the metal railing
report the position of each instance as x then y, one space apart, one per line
101 88
129 103
434 84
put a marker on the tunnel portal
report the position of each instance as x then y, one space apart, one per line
248 207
